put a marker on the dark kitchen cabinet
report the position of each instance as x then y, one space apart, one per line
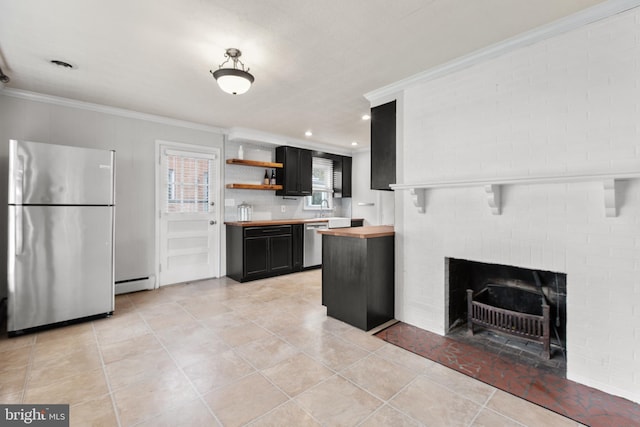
341 175
295 176
358 279
383 146
256 256
298 246
259 252
346 176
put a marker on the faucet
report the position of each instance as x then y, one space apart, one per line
321 207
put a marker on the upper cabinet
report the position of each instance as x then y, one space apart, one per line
342 176
295 176
383 146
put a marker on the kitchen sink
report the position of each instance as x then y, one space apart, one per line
338 222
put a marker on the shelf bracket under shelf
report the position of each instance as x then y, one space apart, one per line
419 199
494 193
610 205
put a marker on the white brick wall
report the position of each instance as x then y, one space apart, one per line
567 105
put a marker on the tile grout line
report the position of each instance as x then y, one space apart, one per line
305 352
290 399
32 355
391 405
200 396
484 405
106 376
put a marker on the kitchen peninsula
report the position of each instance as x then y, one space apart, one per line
358 275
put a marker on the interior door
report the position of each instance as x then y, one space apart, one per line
189 215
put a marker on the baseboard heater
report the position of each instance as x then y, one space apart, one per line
134 285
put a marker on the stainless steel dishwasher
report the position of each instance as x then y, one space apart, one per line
313 244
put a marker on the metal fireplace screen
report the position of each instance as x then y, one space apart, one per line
498 308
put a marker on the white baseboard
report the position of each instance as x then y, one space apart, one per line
134 285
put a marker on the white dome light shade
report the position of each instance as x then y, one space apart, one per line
233 81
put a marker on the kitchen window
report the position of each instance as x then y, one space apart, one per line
322 185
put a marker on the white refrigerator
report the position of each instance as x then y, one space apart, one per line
60 234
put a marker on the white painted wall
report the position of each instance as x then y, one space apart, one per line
375 206
570 104
365 201
133 139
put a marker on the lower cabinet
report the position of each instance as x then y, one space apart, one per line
259 252
358 279
298 246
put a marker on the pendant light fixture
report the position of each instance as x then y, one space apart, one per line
233 80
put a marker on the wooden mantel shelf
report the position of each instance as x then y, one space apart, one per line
493 187
254 163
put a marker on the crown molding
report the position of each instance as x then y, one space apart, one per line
98 108
560 26
252 135
233 134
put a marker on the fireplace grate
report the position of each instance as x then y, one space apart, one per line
495 307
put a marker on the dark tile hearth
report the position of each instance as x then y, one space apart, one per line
540 384
513 348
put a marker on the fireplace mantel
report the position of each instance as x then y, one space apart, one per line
493 187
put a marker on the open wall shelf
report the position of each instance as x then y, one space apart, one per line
254 187
256 163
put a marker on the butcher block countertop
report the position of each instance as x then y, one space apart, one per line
267 222
367 232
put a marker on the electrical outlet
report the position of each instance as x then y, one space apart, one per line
283 208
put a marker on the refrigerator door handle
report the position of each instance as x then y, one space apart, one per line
18 230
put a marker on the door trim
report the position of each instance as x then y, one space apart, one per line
181 146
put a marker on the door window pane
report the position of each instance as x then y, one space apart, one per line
187 184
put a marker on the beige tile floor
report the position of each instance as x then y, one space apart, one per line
262 353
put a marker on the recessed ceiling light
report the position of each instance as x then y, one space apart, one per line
366 117
354 143
308 133
61 63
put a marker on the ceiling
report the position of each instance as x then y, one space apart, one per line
312 59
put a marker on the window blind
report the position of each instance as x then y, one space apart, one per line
322 178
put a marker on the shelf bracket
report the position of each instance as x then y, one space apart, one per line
418 198
494 197
610 206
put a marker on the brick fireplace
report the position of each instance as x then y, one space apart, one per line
520 291
560 107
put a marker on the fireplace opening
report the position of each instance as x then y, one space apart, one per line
519 310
